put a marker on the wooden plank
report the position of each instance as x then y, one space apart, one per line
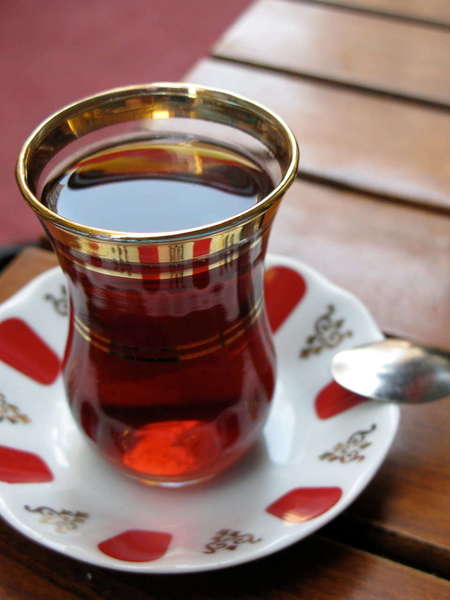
409 496
34 570
370 143
20 582
27 265
314 568
395 258
431 11
367 535
352 48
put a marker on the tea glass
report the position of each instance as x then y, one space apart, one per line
169 365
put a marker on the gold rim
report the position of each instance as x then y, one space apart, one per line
119 105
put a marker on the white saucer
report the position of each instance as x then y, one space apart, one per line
313 447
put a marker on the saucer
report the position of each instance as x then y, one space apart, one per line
320 447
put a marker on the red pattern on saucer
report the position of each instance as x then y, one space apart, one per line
137 545
22 349
304 504
284 288
334 399
19 466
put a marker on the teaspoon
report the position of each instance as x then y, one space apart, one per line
394 370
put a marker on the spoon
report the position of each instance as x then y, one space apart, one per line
394 370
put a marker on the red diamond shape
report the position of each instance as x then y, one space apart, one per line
334 399
22 349
19 466
304 504
283 288
136 545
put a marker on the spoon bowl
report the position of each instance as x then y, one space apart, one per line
394 370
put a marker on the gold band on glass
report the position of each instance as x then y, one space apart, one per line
181 352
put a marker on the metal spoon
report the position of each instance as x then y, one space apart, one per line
394 370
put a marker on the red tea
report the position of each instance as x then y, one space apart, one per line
169 364
157 185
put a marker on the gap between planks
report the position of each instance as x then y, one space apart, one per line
335 83
375 539
373 12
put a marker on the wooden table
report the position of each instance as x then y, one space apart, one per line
365 84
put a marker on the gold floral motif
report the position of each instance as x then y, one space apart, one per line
328 333
228 539
11 413
63 520
350 450
59 302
